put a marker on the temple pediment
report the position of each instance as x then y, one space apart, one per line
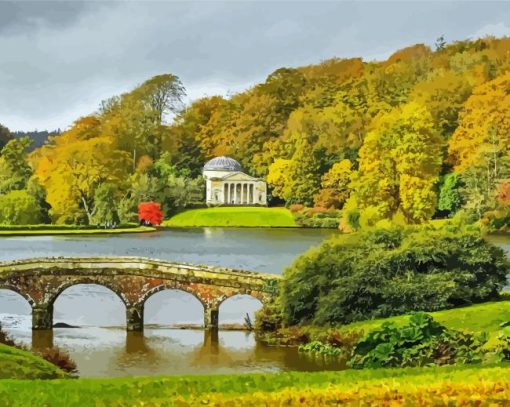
238 176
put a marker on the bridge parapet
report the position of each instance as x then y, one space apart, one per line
133 279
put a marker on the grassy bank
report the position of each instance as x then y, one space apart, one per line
48 230
485 317
303 388
20 364
233 217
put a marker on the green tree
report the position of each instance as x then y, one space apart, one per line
450 199
15 170
105 206
5 136
19 208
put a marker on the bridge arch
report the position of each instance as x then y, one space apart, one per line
55 292
83 304
21 293
261 297
194 307
230 312
170 286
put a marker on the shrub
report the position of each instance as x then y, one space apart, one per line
149 213
318 217
422 342
59 358
320 348
269 318
389 272
295 208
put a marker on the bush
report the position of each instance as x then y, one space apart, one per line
317 217
320 348
422 342
60 359
295 208
388 272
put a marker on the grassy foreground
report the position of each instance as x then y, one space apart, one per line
50 231
233 217
416 386
20 364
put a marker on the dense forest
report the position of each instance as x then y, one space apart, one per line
423 134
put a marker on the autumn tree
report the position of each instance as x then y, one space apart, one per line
479 147
335 186
399 165
71 173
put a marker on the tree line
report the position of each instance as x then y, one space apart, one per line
422 134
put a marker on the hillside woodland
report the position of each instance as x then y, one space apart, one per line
422 135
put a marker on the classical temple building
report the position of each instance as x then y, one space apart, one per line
227 184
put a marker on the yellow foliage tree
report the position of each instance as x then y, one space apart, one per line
72 171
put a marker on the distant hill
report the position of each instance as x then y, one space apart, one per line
39 137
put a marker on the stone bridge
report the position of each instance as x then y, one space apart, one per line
133 279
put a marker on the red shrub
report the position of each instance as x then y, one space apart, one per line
504 193
295 207
59 358
149 213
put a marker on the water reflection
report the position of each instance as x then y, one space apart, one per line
101 352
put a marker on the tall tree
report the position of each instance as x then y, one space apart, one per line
399 166
15 170
5 136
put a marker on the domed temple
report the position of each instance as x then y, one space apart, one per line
227 184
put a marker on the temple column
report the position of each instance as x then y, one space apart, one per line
211 314
245 193
134 317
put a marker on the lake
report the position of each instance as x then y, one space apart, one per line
101 347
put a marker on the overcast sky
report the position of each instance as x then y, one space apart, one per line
58 60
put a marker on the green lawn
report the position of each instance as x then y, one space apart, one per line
20 231
233 217
485 317
20 364
200 390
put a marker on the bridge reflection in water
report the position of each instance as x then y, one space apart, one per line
135 341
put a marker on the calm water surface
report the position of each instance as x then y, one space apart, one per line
101 347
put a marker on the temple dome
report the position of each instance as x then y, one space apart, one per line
222 164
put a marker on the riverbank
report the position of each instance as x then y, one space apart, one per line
485 317
233 217
414 386
19 364
50 230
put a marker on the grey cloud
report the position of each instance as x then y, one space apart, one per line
19 16
58 61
